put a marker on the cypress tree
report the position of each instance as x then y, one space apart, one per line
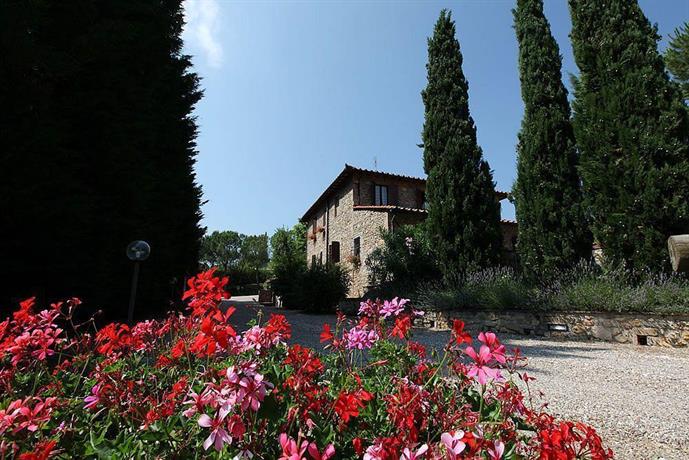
631 129
553 233
677 57
463 211
98 150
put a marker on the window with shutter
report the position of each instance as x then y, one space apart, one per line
356 250
335 252
393 195
380 195
421 199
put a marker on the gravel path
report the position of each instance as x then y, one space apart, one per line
636 397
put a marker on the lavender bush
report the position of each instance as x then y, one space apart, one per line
586 287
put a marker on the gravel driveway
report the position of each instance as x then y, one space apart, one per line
636 397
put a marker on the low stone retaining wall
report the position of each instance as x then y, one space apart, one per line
640 329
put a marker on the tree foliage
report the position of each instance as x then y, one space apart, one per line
222 250
464 214
404 261
288 263
97 147
315 289
677 57
553 232
254 252
631 128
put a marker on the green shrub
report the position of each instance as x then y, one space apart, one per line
321 288
583 288
288 264
404 261
588 288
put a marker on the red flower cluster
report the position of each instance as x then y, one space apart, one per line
30 336
568 441
349 403
408 409
205 292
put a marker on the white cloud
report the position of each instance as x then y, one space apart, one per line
202 18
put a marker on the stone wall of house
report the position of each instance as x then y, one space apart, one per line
316 244
366 225
343 227
640 329
409 191
509 234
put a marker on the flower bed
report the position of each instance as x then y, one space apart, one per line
191 386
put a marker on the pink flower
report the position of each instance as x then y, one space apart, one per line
253 338
198 401
219 436
410 455
253 391
374 452
328 452
491 340
359 337
480 368
92 400
290 451
393 307
367 308
496 453
453 443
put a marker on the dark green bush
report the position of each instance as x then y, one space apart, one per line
404 261
322 287
288 264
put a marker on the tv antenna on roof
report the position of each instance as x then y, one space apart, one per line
375 163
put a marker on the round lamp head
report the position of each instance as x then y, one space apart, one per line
138 250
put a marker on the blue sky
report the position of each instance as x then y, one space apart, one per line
294 90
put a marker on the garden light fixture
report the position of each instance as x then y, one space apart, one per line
137 251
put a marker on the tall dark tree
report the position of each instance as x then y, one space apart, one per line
97 149
464 213
631 128
553 232
677 57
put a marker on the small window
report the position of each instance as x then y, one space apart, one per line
356 250
421 198
320 258
335 252
381 195
313 260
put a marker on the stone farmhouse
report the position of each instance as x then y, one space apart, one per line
344 223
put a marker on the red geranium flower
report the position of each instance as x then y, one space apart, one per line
348 404
402 326
326 333
458 332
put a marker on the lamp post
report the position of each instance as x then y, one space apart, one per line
137 251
